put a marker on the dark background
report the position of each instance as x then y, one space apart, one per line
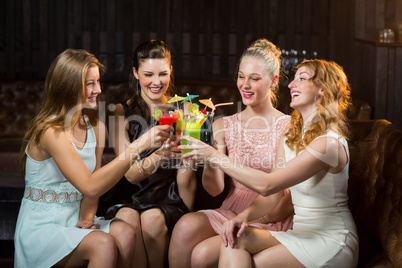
206 37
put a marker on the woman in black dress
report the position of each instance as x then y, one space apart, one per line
153 195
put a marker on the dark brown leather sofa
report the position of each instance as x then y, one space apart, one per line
375 185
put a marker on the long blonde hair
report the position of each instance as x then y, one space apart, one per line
64 91
270 54
331 110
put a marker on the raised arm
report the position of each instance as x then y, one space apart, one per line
121 141
322 154
58 145
213 177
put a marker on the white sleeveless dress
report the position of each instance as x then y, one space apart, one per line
324 233
45 231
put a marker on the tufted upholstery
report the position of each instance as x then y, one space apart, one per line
19 100
375 191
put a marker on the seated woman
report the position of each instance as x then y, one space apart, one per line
61 155
250 137
152 195
313 160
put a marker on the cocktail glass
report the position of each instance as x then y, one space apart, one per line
206 130
167 118
189 127
206 134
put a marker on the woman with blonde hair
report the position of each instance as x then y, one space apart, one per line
250 137
313 161
61 157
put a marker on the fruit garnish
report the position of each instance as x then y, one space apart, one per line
179 112
157 114
203 111
193 108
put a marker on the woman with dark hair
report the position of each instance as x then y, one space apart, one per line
153 195
61 157
313 161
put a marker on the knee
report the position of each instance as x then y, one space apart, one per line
240 242
186 227
153 223
105 246
130 216
123 232
202 256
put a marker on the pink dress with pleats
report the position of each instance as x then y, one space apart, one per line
255 148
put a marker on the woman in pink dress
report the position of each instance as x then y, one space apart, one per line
250 138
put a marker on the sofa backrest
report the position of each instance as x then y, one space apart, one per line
19 100
375 187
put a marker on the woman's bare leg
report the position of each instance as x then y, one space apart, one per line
97 249
190 230
268 251
156 237
206 253
124 236
132 217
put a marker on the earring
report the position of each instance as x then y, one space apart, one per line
315 99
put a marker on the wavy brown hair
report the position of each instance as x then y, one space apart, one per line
331 110
64 94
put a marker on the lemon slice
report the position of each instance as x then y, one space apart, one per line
158 112
193 108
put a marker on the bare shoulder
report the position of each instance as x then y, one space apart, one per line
53 133
119 110
329 150
54 138
218 123
325 144
50 137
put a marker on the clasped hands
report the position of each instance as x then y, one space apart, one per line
86 224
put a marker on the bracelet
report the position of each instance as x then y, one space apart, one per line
265 220
141 169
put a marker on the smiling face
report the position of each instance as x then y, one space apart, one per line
154 78
304 92
253 82
92 87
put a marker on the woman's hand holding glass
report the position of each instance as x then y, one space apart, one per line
154 137
197 150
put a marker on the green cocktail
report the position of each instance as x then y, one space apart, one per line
190 129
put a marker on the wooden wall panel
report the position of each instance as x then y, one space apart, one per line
206 37
377 66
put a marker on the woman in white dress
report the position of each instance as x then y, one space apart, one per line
62 153
313 162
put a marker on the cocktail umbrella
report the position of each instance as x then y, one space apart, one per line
189 98
207 103
176 99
